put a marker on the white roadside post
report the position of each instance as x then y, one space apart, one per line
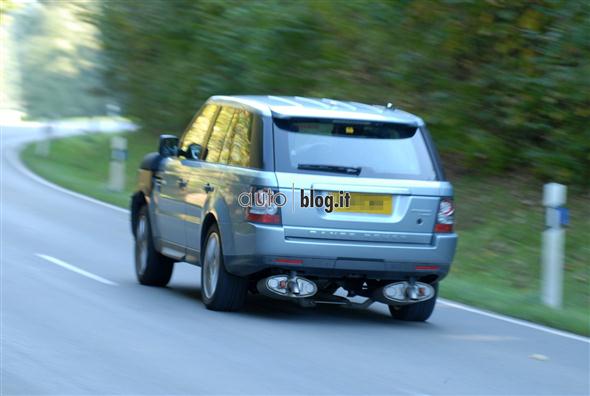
113 110
43 146
556 216
117 165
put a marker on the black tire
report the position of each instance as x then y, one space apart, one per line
417 312
225 291
151 267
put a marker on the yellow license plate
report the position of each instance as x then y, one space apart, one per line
365 203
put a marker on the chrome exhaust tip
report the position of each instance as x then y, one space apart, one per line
406 292
287 286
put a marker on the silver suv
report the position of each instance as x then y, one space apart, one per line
295 198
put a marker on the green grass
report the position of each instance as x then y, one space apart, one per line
497 265
499 221
81 163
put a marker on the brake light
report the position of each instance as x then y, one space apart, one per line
288 261
263 206
445 219
427 268
263 218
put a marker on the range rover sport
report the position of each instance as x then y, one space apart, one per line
392 242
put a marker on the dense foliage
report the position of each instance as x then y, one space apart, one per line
57 56
503 85
5 7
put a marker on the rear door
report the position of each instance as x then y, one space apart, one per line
204 176
195 136
385 168
172 182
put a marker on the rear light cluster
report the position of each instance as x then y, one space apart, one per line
445 219
263 209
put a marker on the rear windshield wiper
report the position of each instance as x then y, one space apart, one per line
349 170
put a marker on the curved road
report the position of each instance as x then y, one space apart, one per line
75 321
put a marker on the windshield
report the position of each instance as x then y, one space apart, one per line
351 148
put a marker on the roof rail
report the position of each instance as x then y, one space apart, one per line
291 102
368 107
313 101
337 102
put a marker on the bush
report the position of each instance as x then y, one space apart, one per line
503 85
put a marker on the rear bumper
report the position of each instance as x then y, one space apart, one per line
268 247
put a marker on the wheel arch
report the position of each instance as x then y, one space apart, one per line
150 164
138 200
218 213
209 220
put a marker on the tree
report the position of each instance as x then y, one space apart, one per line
503 85
58 53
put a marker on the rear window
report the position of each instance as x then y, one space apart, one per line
351 148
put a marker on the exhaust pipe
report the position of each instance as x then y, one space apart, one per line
405 292
287 286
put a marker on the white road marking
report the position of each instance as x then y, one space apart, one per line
75 269
18 164
538 356
482 338
519 322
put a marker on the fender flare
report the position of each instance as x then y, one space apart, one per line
150 164
219 210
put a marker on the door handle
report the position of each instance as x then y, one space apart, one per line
208 188
182 183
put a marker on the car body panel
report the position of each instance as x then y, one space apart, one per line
168 198
377 245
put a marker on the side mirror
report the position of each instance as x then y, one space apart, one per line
168 146
195 151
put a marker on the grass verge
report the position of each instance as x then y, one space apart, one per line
499 220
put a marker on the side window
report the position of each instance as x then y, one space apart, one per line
229 138
239 154
197 132
218 135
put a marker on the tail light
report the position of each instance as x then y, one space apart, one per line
265 206
445 219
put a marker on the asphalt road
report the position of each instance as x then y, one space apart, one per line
66 331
